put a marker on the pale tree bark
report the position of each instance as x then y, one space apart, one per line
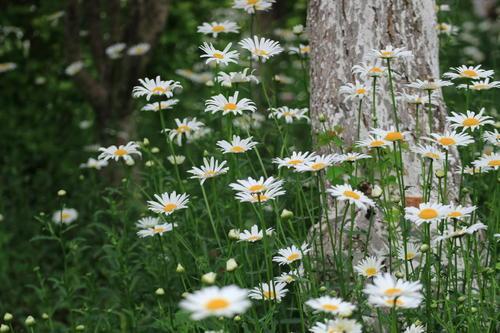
342 34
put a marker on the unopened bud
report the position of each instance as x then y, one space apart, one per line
8 316
61 193
424 248
462 298
155 150
234 234
145 141
180 269
377 192
473 309
160 292
322 118
4 328
322 288
129 161
237 318
30 321
440 173
298 29
149 163
399 275
80 328
209 278
286 214
231 265
45 316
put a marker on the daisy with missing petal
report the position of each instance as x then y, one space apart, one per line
139 49
251 185
414 329
355 91
430 152
156 87
289 114
216 28
260 197
365 70
450 139
168 203
471 120
347 193
220 57
210 168
339 325
185 128
163 105
237 145
468 72
480 85
453 232
254 234
331 305
387 291
291 254
429 85
317 163
369 267
214 301
488 162
158 229
251 6
297 158
492 137
228 79
391 53
65 216
391 134
351 157
412 252
261 48
269 291
459 212
426 213
220 103
373 142
123 152
147 222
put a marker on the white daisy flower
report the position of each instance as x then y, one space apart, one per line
156 87
340 325
260 197
74 68
163 105
121 152
220 103
488 162
297 158
114 51
391 53
453 232
167 203
139 49
387 291
302 50
246 122
355 91
218 302
92 163
468 170
416 99
450 139
468 72
254 234
220 57
365 70
8 66
412 252
446 29
228 79
158 229
147 222
347 193
269 291
261 48
237 145
369 267
291 254
185 128
459 212
210 168
176 159
414 329
331 305
351 157
201 78
64 216
216 28
480 85
429 85
373 142
251 6
492 137
426 213
390 135
289 277
289 114
251 185
428 151
471 120
317 162
199 134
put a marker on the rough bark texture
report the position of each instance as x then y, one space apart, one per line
342 34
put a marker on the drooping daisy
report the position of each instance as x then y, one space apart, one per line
156 87
291 276
214 301
430 152
391 53
317 163
468 72
331 305
147 222
351 157
251 185
251 6
365 70
65 216
297 158
74 68
471 120
289 114
254 234
7 66
391 134
260 197
186 128
228 79
414 329
302 50
355 90
210 168
92 163
220 103
216 28
373 142
339 325
158 229
426 213
492 137
269 291
347 193
488 162
459 212
220 57
369 267
387 291
412 252
138 49
261 48
450 139
114 51
429 85
167 203
122 151
480 85
237 145
163 105
291 254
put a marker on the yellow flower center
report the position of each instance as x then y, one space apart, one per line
392 291
432 155
230 107
158 229
261 53
360 91
470 122
305 49
410 255
121 152
269 294
386 54
455 214
428 214
287 114
218 55
375 70
218 28
209 173
447 141
256 188
394 136
65 216
480 86
470 73
159 90
237 149
254 238
494 163
217 304
377 143
371 271
394 301
330 307
183 128
252 2
260 197
352 195
293 256
318 166
295 162
169 207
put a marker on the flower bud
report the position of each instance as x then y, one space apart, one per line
237 318
8 316
440 173
129 161
45 316
462 298
377 192
322 288
209 83
4 328
234 234
61 193
286 214
209 278
231 265
298 29
155 150
160 292
80 328
180 269
30 321
399 275
149 163
145 141
473 309
322 118
424 248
